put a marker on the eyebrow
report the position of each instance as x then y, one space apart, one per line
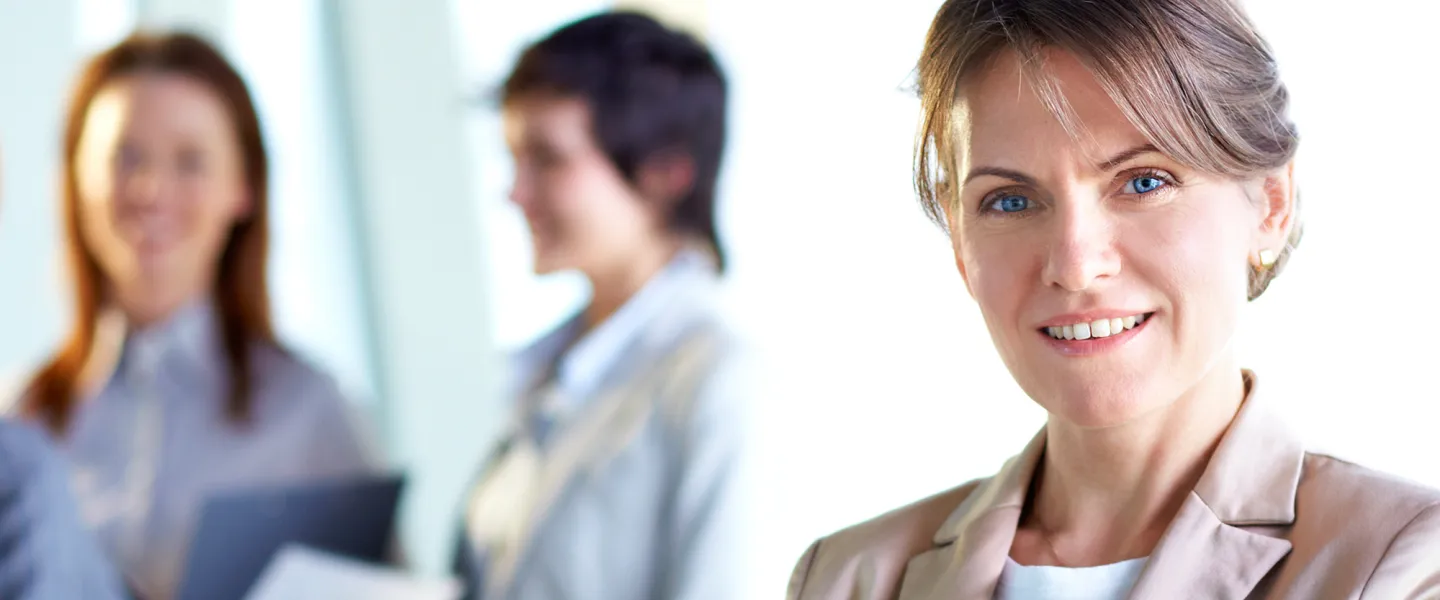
1126 155
1018 177
1010 174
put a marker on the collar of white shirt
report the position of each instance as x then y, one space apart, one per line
581 370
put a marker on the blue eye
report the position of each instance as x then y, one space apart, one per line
1144 184
1010 203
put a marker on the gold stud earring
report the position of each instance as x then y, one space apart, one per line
1267 258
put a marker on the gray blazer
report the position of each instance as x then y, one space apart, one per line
639 488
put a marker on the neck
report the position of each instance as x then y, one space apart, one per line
611 288
1109 494
145 308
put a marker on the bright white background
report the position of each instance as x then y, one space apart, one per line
883 386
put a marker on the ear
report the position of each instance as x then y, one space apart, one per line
1278 210
666 178
245 205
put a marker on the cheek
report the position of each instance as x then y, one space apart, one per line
98 190
97 229
564 198
604 205
999 272
209 210
100 223
1194 252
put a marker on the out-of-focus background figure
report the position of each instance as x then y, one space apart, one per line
171 386
622 475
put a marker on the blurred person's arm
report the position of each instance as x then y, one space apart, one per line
708 518
45 550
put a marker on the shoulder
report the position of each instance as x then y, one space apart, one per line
1359 516
1379 501
299 398
875 551
1376 501
283 375
706 371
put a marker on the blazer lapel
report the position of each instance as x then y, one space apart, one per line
972 545
1202 557
967 569
1251 480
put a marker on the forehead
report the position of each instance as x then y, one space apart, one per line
157 103
1004 119
546 119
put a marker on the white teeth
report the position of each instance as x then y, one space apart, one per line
1096 329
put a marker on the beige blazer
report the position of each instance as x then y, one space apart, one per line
1266 520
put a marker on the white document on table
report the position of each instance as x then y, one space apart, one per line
300 573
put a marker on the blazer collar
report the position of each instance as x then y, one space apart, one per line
1251 480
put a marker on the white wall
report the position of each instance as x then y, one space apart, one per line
31 110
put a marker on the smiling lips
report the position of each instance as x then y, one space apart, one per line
1100 328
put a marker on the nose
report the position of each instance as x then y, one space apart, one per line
522 191
145 187
1083 251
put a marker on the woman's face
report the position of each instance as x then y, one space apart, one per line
162 185
583 213
1110 276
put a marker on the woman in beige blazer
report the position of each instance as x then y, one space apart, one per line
1116 177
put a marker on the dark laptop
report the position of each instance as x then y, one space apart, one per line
239 532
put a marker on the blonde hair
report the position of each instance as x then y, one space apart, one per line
1194 76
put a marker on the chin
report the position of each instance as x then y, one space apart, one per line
1096 402
546 263
160 267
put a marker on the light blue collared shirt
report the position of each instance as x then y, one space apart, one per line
629 442
153 442
558 374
